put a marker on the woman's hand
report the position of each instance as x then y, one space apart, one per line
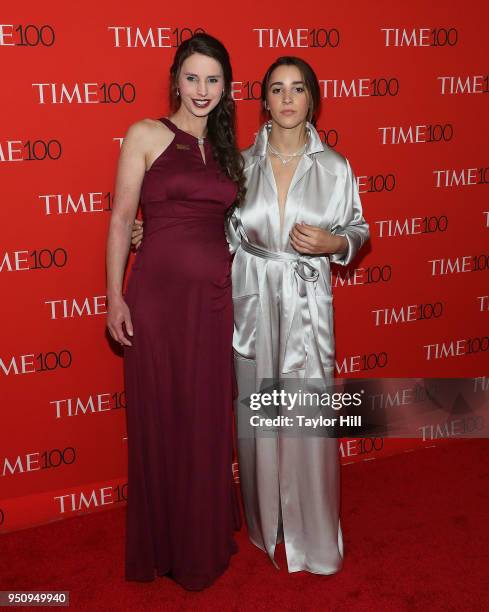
117 314
137 233
312 240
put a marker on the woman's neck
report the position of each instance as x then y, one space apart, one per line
288 140
197 126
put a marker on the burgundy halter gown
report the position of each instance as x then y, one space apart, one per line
182 509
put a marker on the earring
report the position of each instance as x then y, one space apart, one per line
177 92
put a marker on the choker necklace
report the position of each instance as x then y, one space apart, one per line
286 158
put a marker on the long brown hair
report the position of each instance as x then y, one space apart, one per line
221 123
308 76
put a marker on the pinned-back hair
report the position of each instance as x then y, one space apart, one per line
309 77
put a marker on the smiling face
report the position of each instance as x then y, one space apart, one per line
200 83
287 97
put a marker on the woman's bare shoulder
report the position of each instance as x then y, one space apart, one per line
145 133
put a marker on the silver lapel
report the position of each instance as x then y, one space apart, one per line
314 145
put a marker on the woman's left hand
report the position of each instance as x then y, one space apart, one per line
312 240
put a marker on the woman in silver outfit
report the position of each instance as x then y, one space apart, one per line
301 212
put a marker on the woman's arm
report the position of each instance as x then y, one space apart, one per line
350 222
345 237
130 174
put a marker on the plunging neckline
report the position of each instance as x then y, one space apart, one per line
268 158
202 152
281 218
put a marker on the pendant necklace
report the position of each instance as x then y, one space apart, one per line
286 158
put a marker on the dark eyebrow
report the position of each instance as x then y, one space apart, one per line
211 76
281 83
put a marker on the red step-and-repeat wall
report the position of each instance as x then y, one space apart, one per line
404 95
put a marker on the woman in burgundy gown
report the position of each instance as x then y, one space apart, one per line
176 322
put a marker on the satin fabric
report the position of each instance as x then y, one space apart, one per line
283 331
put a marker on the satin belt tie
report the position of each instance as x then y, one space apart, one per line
302 264
304 337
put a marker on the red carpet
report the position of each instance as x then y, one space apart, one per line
416 529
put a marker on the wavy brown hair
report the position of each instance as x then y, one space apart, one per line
221 123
